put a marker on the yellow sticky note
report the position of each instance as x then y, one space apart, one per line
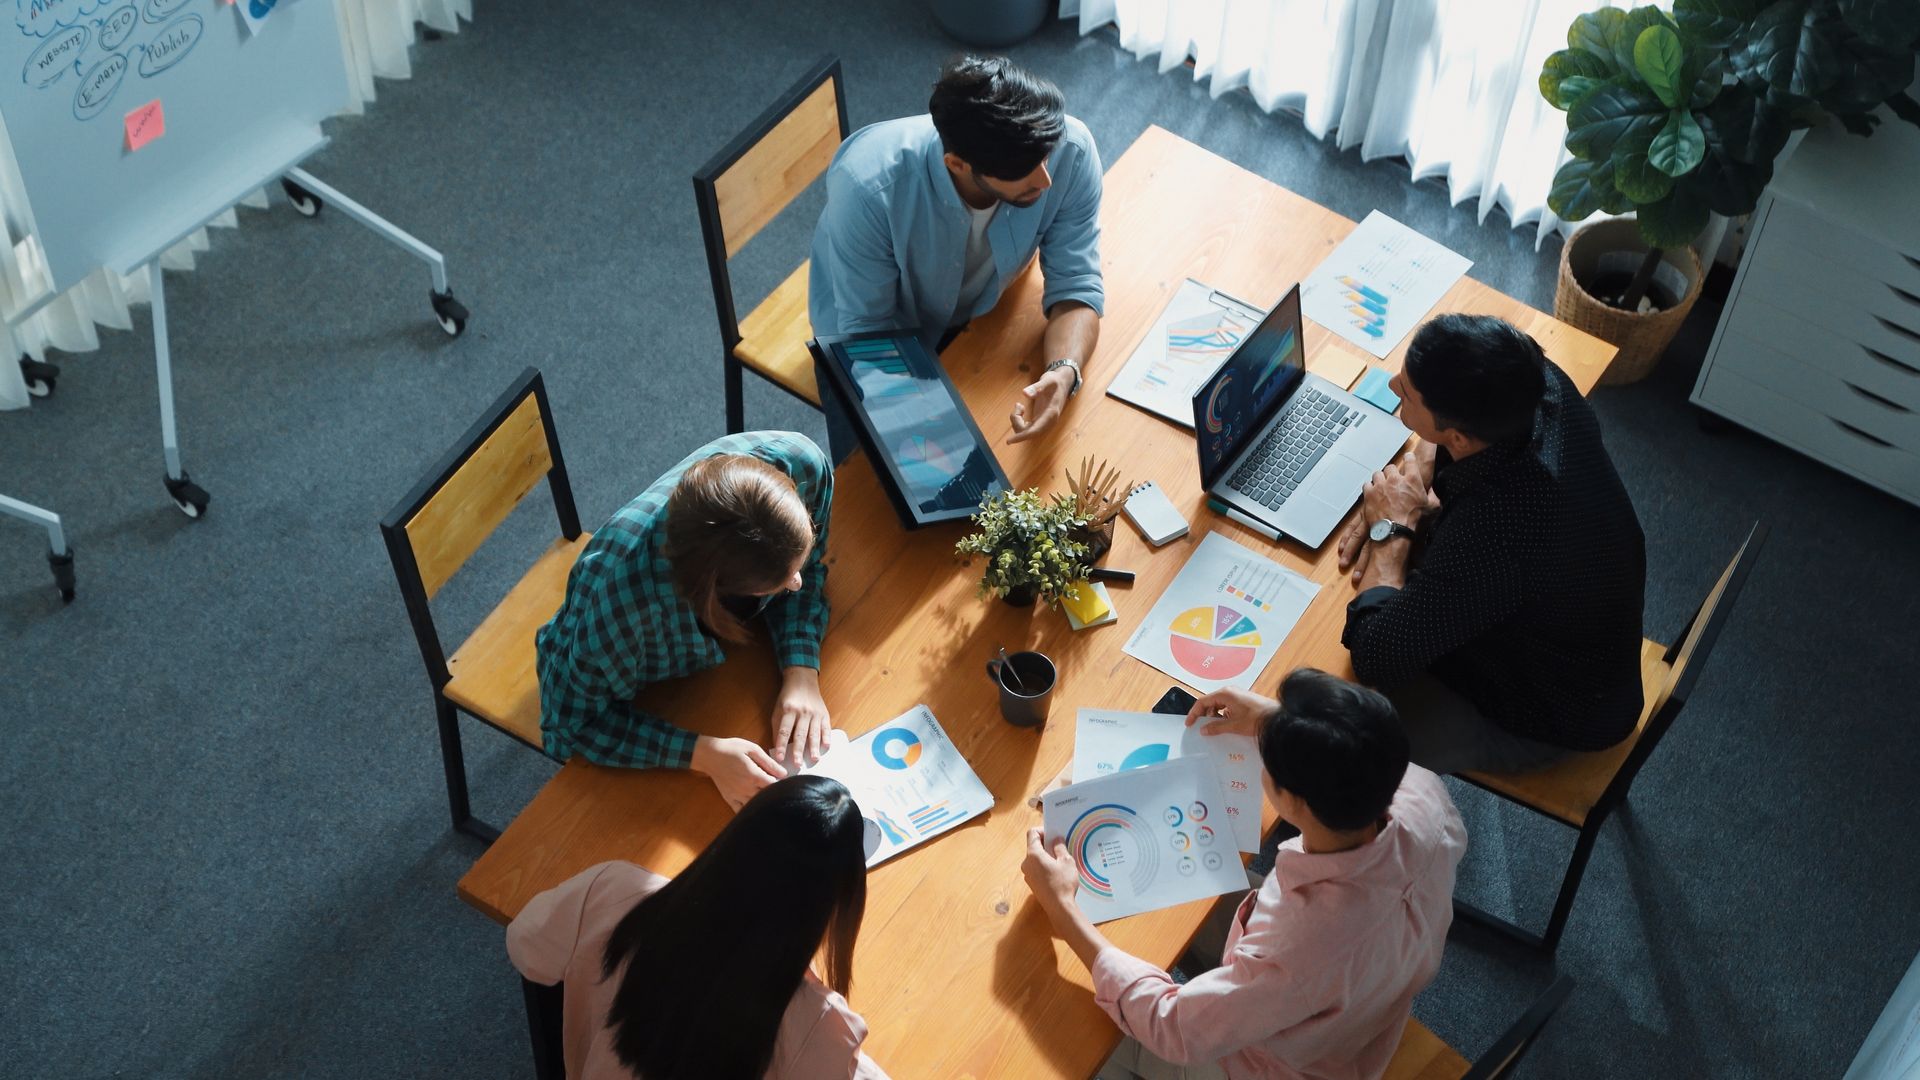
1337 366
1091 605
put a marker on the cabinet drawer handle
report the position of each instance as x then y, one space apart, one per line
1877 399
1910 335
1902 368
1905 295
1851 430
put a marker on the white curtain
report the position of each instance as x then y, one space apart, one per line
1450 85
375 33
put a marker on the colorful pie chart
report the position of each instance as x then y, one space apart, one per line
1214 642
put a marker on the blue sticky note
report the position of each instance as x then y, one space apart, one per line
1374 391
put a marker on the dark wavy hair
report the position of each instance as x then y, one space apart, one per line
714 958
1478 374
1337 746
997 117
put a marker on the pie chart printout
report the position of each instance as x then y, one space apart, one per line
1223 617
1217 642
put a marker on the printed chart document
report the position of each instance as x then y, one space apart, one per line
1106 742
910 782
1223 617
1145 839
1380 283
1195 334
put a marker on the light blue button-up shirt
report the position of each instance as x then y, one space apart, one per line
891 246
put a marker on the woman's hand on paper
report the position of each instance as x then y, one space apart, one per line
800 722
736 766
1231 711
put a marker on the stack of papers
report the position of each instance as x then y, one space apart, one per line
1380 283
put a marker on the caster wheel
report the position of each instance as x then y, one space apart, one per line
62 566
188 496
306 202
450 313
41 378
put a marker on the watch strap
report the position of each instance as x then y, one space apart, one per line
1067 363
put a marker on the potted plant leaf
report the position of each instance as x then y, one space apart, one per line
1677 117
1030 546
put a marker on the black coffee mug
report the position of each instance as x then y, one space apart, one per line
1026 681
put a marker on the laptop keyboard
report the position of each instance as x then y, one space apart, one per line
1292 447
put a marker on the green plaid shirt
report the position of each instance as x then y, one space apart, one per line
623 624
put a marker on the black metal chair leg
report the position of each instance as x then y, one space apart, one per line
544 1006
736 401
1563 905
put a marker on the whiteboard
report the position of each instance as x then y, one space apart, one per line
239 106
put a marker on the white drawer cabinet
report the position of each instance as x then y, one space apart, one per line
1818 347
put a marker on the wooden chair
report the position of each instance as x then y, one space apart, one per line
738 192
1582 791
1422 1055
438 526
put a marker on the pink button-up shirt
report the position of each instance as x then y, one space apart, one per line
1323 959
561 935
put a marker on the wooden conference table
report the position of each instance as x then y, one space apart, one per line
956 972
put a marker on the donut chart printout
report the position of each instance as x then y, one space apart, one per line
1108 741
909 780
1146 838
1223 617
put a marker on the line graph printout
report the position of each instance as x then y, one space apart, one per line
909 780
1136 838
1223 617
1380 283
1199 329
1106 742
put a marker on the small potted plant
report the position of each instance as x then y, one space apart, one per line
1674 117
1030 546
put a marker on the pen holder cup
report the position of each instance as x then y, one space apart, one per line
1025 681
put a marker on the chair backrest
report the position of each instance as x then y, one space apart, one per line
763 169
438 526
1499 1061
1687 657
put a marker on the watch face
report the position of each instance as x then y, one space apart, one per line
1381 530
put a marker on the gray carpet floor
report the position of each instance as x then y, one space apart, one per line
227 852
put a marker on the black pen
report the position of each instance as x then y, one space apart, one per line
1102 573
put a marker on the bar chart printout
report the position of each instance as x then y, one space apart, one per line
1380 283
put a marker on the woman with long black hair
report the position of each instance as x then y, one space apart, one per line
699 976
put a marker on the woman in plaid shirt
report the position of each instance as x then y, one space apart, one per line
735 530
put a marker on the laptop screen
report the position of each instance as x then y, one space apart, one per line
1235 405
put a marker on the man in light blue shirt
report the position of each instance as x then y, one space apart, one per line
929 218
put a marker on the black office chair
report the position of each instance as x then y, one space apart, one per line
1582 791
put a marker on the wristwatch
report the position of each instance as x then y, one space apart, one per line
1075 365
1386 529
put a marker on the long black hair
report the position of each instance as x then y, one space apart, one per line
714 957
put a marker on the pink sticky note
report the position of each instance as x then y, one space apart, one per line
145 124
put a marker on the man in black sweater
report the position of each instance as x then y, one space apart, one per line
1499 566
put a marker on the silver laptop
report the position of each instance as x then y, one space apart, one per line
1281 448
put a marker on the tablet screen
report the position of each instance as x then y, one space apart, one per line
932 448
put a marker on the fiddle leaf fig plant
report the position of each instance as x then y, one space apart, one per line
1680 116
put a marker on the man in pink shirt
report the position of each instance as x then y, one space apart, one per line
1323 959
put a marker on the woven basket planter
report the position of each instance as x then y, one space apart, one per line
1604 248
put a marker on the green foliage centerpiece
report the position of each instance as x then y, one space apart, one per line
1031 546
